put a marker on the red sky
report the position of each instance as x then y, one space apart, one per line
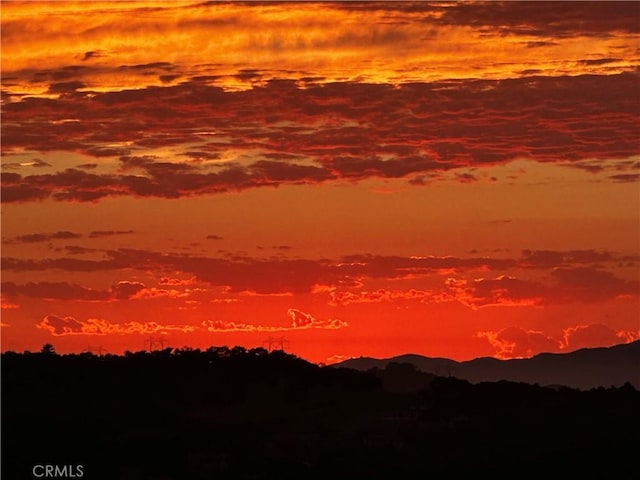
454 180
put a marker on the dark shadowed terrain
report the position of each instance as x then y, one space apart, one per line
236 414
584 369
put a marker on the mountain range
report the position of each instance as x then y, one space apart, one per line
584 369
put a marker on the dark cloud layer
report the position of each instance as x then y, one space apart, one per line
578 284
573 277
336 131
538 18
53 290
548 19
61 235
43 237
123 290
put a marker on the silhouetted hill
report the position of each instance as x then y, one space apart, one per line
584 369
229 413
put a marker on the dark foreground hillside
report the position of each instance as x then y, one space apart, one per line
235 414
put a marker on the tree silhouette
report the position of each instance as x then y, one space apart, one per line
48 349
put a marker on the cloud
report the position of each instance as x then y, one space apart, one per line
6 304
390 266
152 292
66 87
539 44
544 19
299 321
224 326
380 295
64 263
337 358
21 193
595 335
568 280
272 172
345 41
545 119
92 54
173 282
579 284
419 180
109 233
551 258
43 237
625 177
466 177
501 291
599 61
76 250
61 326
53 291
125 290
516 342
553 19
35 163
590 284
162 179
62 235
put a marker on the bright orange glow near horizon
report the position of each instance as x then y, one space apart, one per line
362 179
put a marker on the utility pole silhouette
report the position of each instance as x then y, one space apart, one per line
96 350
277 343
157 342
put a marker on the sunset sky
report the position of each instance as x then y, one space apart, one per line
362 179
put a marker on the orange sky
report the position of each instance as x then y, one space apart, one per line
448 179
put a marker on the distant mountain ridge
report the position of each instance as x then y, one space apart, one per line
584 369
